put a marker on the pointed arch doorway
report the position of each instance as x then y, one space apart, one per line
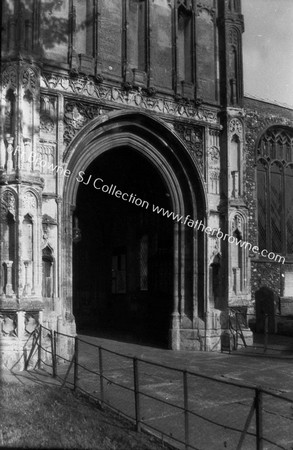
123 264
134 271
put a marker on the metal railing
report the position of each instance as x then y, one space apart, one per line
241 415
265 334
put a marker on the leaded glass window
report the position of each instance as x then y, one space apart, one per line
275 190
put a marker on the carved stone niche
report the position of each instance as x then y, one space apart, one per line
8 323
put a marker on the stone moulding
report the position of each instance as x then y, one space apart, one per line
134 98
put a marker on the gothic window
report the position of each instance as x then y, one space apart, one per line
184 50
274 190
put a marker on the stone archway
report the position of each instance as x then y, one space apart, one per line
166 155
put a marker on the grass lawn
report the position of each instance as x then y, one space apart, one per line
34 416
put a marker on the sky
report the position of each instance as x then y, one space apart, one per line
268 50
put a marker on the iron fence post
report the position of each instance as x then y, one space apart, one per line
258 418
75 380
55 351
186 415
53 354
136 394
101 375
266 332
40 348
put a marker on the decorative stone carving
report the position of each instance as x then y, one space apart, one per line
214 181
233 36
47 154
31 321
8 323
193 136
46 124
214 247
76 115
235 126
29 202
9 77
8 203
257 123
214 154
29 80
237 224
211 11
133 98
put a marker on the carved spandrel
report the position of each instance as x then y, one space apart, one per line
76 115
194 139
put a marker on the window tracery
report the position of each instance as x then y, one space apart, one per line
274 190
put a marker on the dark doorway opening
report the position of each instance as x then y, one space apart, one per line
123 263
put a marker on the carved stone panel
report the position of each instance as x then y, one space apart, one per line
77 114
193 137
8 323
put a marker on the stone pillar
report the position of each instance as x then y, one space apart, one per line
21 324
8 288
26 285
175 331
9 163
27 153
235 187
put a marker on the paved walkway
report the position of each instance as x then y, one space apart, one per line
213 403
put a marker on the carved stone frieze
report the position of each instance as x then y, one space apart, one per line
76 115
194 139
134 98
